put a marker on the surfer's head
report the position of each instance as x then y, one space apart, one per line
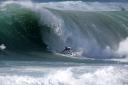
67 48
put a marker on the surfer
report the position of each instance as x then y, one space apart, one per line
67 50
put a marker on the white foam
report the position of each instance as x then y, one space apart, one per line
75 5
86 6
123 47
119 54
122 51
2 47
71 76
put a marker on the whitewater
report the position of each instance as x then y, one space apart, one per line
33 35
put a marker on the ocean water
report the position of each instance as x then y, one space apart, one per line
33 34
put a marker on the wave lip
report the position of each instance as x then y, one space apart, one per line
86 6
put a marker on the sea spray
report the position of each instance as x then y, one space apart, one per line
84 75
85 31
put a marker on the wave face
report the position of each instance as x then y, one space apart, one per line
94 30
19 28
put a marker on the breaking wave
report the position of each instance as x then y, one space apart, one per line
108 75
99 32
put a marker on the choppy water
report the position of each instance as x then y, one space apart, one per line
47 73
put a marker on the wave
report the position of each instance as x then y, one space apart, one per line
19 28
85 75
86 6
75 5
70 0
52 26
